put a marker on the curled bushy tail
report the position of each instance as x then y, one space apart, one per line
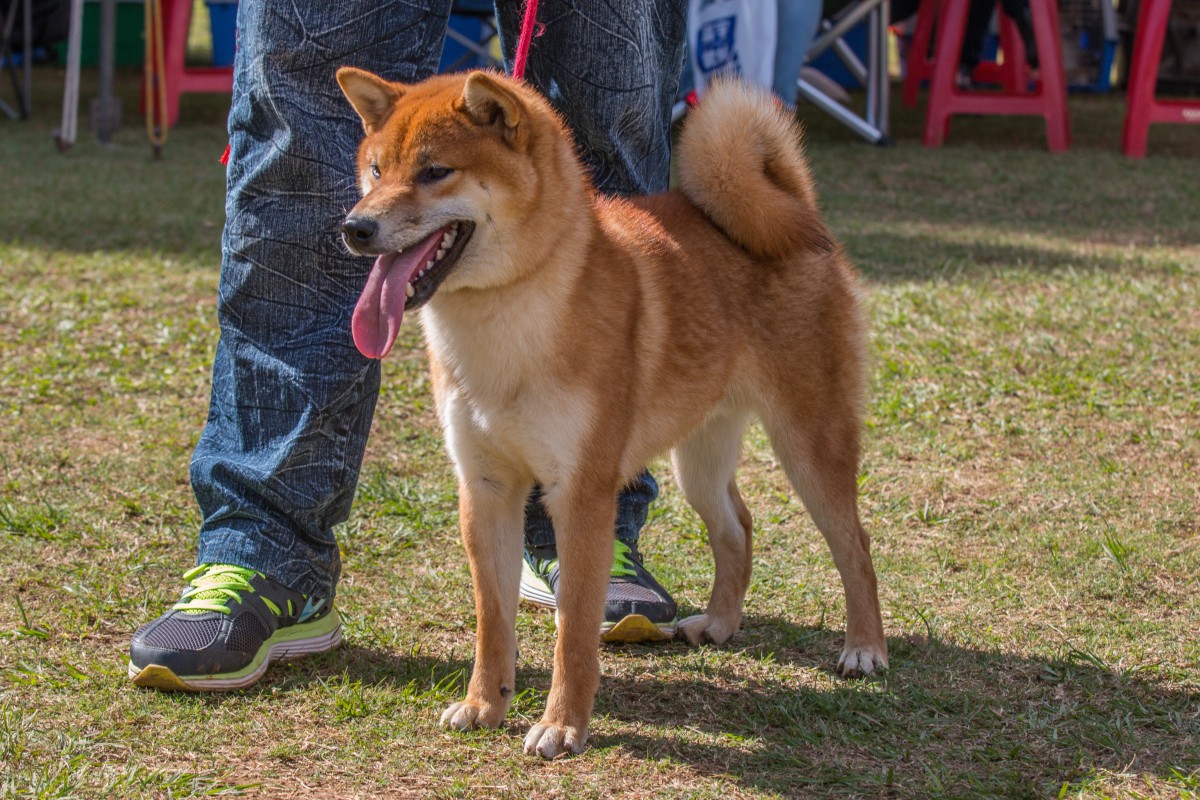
741 163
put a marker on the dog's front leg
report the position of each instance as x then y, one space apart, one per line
490 515
583 522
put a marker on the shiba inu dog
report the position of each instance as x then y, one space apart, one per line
574 337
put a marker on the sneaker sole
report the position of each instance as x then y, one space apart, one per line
534 589
631 629
156 676
636 628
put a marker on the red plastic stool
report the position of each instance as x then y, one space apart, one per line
180 79
1143 74
1049 102
1011 74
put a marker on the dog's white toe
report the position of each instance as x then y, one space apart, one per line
703 629
550 741
467 715
860 661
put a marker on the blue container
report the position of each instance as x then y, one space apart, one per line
829 63
222 17
454 55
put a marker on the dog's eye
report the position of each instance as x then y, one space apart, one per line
433 174
375 171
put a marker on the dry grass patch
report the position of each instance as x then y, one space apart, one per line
1031 477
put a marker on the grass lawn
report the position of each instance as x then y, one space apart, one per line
1031 479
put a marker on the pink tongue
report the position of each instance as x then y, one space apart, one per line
380 309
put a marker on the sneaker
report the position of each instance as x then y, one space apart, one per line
226 628
638 609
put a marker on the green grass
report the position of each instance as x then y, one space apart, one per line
1031 478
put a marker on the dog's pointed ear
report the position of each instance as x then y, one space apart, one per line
371 96
488 102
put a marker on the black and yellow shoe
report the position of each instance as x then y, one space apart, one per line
637 608
228 626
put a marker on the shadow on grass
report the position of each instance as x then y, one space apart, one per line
886 257
945 720
118 199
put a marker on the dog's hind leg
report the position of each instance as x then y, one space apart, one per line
491 513
820 457
704 466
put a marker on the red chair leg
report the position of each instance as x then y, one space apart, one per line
177 15
919 66
1054 81
1015 79
1143 75
952 22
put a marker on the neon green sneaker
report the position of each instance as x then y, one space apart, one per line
226 628
637 608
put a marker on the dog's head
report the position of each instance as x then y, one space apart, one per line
451 169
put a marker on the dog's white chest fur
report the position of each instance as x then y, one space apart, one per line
497 401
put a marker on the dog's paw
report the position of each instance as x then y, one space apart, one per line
549 740
703 629
469 714
861 661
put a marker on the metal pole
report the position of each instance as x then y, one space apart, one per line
839 112
65 137
884 112
27 61
106 111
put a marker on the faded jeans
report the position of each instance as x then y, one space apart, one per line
292 399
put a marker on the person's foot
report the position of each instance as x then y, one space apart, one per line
230 623
964 79
637 608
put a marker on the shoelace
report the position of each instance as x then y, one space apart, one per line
214 585
623 562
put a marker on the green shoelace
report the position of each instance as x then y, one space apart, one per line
214 585
622 562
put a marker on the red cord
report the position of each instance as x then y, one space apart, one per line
527 25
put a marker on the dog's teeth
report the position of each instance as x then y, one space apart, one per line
409 290
429 263
441 253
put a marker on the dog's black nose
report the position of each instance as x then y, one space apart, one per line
359 229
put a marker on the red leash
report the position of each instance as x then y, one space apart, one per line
528 24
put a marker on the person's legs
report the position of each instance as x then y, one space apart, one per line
1018 10
978 18
612 71
798 22
292 399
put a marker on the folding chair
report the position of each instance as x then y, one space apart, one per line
22 88
479 50
873 124
42 23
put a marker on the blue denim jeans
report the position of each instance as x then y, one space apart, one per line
292 399
799 21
